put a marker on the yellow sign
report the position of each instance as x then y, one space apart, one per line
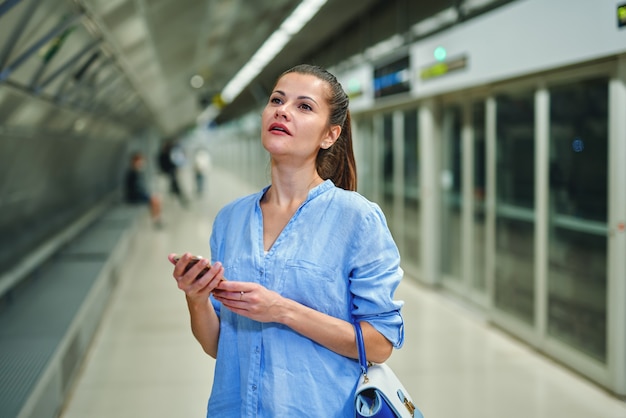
442 68
218 101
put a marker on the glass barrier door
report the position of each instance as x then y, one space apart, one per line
412 227
514 279
451 195
479 196
388 170
463 193
577 220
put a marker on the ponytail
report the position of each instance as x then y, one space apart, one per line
337 163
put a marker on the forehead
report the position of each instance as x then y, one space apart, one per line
302 85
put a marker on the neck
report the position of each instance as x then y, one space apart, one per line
292 188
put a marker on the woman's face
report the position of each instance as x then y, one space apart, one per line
295 120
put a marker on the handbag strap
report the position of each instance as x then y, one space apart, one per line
360 347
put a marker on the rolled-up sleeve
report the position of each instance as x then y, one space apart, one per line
375 277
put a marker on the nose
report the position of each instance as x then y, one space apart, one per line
281 111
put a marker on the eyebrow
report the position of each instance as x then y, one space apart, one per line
299 97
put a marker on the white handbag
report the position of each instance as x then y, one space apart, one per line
379 392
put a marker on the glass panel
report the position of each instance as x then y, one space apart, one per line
479 279
451 194
365 165
577 271
387 203
515 217
411 187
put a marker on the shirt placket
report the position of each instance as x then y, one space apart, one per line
254 377
256 347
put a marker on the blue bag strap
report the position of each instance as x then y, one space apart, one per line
360 346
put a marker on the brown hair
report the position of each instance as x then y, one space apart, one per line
336 163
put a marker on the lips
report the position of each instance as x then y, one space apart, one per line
278 127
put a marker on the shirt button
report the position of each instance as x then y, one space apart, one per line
256 350
253 387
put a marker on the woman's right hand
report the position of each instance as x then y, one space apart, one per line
197 286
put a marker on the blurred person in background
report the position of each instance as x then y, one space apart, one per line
201 165
136 189
170 158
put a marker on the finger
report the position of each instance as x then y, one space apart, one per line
231 286
228 296
240 307
212 277
196 271
238 296
181 265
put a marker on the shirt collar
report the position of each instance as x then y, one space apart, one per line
313 193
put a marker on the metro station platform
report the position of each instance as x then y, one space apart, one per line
144 362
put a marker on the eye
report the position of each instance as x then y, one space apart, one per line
305 106
275 100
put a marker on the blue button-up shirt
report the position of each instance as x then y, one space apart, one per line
336 255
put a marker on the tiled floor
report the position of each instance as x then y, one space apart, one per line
145 363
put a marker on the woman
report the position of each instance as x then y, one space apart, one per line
304 258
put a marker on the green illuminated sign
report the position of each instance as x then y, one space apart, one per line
440 53
621 15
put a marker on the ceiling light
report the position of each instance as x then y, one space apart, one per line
272 46
196 81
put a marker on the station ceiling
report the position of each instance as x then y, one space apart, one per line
134 59
166 42
159 45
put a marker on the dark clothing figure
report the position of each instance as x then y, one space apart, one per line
169 167
136 189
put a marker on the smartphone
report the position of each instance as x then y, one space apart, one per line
192 263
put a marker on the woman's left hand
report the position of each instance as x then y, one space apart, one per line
250 300
258 303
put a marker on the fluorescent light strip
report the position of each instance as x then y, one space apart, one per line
272 46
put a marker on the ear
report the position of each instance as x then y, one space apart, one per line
331 137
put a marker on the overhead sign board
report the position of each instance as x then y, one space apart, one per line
392 78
